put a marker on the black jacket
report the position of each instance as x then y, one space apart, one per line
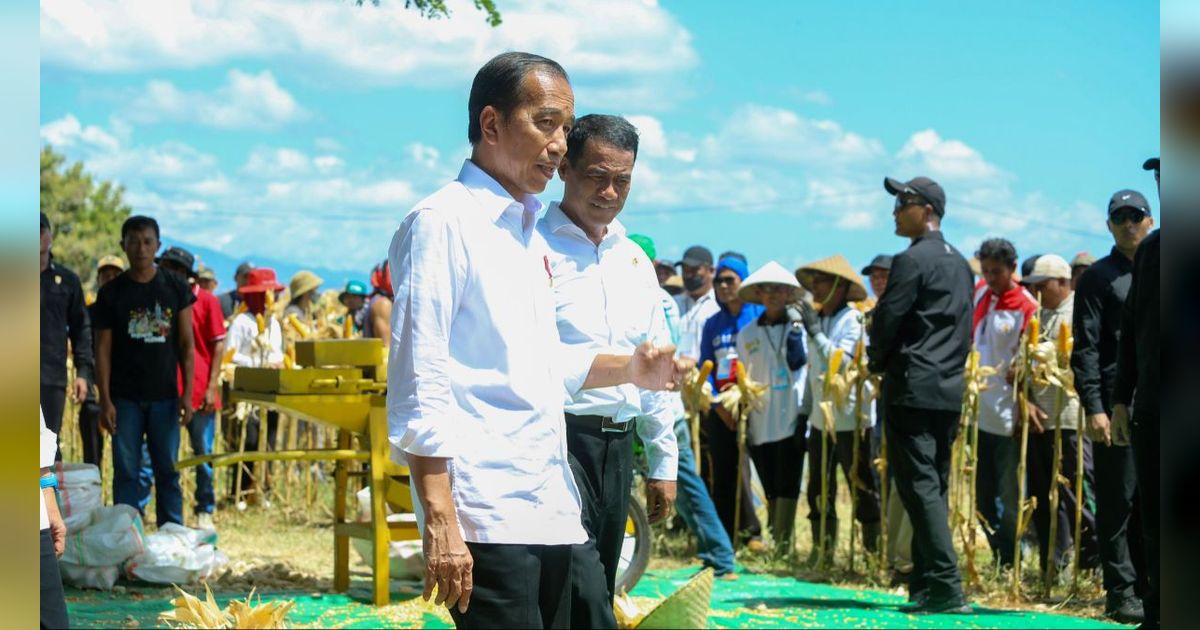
64 316
921 327
1099 297
1139 354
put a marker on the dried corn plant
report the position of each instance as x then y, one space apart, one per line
697 400
965 518
191 612
745 396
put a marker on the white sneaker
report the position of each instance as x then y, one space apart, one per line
204 520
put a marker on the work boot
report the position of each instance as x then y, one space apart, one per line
830 541
870 532
1125 610
783 525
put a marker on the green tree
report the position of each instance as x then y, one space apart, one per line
86 213
433 9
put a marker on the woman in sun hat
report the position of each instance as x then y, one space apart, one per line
834 283
303 289
772 349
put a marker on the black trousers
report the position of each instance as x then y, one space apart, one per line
866 497
54 400
602 463
1041 470
518 586
54 606
780 466
919 447
1145 441
718 466
1116 487
89 431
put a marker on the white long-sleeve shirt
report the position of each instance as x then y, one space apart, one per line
48 446
240 337
695 311
476 372
763 350
839 331
607 296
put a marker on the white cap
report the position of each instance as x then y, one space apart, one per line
770 273
1047 267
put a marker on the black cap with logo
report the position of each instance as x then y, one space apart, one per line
697 255
1128 199
881 261
923 187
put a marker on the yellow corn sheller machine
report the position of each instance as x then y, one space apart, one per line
341 383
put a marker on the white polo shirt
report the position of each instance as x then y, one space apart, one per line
476 372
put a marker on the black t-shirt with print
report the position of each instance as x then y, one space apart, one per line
143 317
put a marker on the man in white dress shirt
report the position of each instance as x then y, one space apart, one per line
477 375
606 294
698 302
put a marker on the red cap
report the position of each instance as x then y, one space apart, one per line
260 280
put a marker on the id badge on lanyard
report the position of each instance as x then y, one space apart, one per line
782 380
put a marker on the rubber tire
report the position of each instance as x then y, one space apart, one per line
628 578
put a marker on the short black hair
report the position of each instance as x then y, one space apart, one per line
613 130
999 249
137 223
499 83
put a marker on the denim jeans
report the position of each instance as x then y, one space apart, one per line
200 431
154 424
697 509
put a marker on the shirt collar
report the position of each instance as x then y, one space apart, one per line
931 234
557 221
491 195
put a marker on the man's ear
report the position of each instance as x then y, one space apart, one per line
490 121
563 167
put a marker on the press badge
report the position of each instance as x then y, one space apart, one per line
725 366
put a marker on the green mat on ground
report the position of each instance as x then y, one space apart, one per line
753 601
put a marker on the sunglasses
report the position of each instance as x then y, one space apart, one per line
909 197
1125 215
725 280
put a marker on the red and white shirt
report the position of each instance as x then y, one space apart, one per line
997 325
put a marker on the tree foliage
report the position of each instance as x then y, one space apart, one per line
434 9
86 213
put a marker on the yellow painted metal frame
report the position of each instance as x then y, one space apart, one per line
364 414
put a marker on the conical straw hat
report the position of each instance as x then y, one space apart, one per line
770 273
685 608
835 266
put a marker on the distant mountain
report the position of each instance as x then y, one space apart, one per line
224 266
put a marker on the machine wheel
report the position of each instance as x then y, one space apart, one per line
635 550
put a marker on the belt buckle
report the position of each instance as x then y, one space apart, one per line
608 426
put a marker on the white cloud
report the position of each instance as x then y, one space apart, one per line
328 163
652 142
926 152
761 134
386 43
424 155
814 97
67 131
278 162
244 101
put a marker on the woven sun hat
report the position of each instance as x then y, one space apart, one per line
303 282
111 261
685 608
836 265
770 273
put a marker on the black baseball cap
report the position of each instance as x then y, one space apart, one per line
181 257
243 268
881 261
1027 267
1128 199
697 255
1150 165
923 187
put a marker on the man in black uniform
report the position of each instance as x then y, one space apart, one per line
64 316
1138 358
1097 326
920 338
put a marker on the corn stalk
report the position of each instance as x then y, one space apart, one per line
965 519
859 375
697 400
746 396
834 381
1023 382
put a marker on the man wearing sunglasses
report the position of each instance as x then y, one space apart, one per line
920 336
1099 298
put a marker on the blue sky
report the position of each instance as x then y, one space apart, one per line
303 130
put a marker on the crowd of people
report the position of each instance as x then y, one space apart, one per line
530 346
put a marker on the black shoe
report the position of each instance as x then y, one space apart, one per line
1128 610
900 577
912 607
955 605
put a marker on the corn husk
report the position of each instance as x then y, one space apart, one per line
191 612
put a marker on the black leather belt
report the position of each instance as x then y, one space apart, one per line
599 422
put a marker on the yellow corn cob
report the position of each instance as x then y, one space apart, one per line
1064 338
270 297
741 372
705 370
347 326
262 323
835 363
858 351
228 358
1034 330
241 308
300 327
